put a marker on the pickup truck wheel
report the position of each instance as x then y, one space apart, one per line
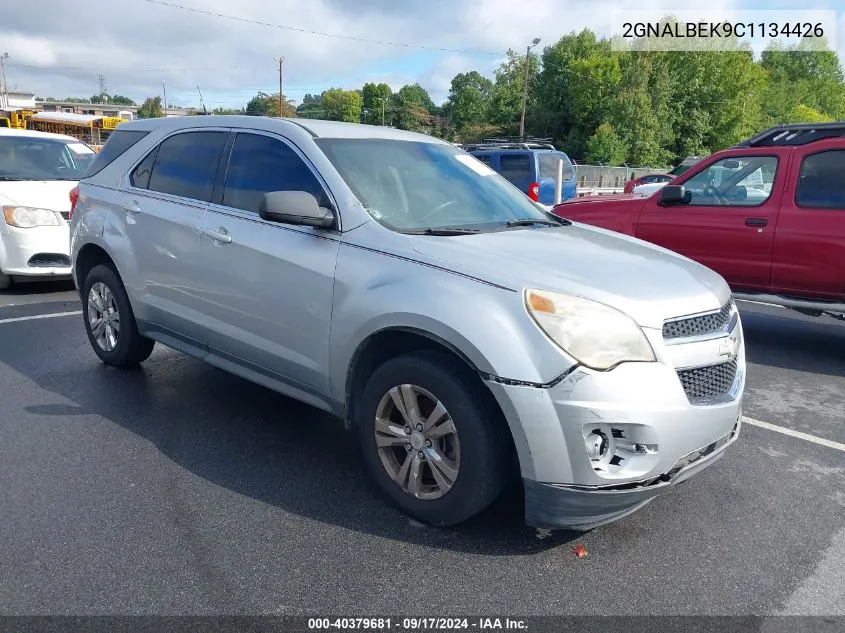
429 440
109 320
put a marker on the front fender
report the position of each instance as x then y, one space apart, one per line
487 324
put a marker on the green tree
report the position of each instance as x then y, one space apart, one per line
469 99
310 108
150 109
376 103
264 104
121 100
412 108
605 146
806 114
342 105
506 102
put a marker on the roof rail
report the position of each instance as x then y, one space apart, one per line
511 143
795 134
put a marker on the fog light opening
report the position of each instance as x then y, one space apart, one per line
596 444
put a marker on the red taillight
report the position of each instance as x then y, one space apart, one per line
74 198
534 191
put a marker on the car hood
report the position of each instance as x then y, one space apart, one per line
43 194
647 282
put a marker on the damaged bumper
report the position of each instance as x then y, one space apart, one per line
577 508
651 433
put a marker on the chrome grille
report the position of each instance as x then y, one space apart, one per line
699 325
708 383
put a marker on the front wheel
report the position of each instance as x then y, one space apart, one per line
5 280
431 444
109 320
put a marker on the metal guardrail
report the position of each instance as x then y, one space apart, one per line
593 180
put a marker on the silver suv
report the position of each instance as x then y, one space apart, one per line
397 282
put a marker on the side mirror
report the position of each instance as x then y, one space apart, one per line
674 194
294 207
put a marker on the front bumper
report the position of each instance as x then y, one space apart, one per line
42 251
657 436
575 508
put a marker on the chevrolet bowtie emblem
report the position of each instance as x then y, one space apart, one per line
729 347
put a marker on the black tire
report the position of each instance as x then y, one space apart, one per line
131 348
5 280
484 446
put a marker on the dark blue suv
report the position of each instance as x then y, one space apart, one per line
531 166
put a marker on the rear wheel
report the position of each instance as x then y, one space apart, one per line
5 280
109 320
429 441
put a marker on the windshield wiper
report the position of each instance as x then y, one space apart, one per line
532 221
441 231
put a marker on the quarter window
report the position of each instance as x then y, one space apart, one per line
822 181
260 164
734 182
515 167
186 165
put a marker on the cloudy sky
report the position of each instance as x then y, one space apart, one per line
58 48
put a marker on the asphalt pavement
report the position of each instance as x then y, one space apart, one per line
176 488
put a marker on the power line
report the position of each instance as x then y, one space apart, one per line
323 33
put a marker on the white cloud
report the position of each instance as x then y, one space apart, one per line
140 44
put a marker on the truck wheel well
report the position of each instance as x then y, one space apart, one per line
89 256
387 344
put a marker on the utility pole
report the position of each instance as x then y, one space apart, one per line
202 103
383 101
164 91
102 86
5 100
525 88
281 87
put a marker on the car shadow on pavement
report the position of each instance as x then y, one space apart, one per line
265 446
816 345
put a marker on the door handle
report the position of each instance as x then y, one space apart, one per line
220 234
131 207
756 221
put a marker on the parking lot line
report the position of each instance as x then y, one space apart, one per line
40 316
798 434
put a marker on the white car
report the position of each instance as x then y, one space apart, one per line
648 188
37 172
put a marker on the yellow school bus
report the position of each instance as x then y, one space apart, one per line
88 128
15 117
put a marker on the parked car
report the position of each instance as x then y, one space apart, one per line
768 215
649 188
648 179
396 281
531 166
37 170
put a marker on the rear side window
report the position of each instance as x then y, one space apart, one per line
515 167
260 164
118 142
548 165
822 181
140 176
484 158
186 164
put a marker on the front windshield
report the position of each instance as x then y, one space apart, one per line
33 158
413 186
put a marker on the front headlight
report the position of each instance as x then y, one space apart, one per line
27 217
596 335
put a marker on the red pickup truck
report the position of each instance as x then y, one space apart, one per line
767 214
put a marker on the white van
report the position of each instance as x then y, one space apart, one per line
37 172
